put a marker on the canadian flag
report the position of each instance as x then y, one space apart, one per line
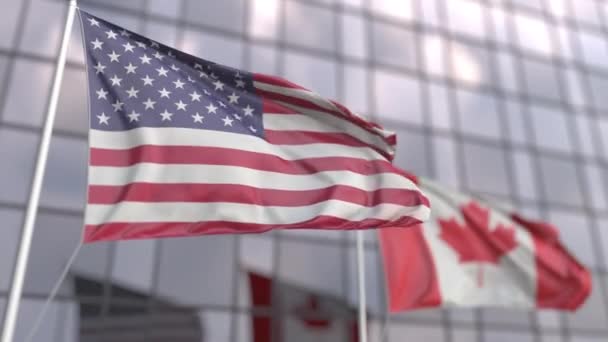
304 315
470 254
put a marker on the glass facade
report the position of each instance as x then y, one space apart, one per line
503 98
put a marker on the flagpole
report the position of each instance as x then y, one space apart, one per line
27 232
361 282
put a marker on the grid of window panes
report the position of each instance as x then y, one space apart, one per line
507 99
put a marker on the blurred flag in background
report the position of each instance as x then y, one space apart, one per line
471 254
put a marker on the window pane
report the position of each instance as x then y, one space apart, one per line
264 18
28 92
486 169
396 332
9 20
595 51
599 89
214 257
319 24
9 240
356 89
45 265
224 14
541 79
65 179
134 264
398 97
72 112
402 9
440 107
446 161
574 229
594 176
316 74
533 34
593 313
478 114
263 59
470 64
18 151
507 336
559 178
312 266
412 154
394 45
525 178
551 128
466 17
354 40
43 28
214 48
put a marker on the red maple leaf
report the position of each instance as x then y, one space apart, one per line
311 314
473 240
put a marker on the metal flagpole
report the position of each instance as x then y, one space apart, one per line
12 309
361 282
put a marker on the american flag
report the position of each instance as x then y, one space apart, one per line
182 146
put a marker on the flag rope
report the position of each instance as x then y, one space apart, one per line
53 293
12 308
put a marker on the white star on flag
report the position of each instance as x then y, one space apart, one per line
97 44
195 96
133 116
234 98
181 105
164 93
162 71
179 84
166 115
128 47
211 109
132 92
114 57
99 68
130 68
145 59
147 80
103 119
101 94
115 80
248 110
198 117
111 34
149 104
227 121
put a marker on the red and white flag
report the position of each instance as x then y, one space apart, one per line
470 254
304 315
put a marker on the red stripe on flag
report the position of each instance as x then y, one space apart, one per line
232 157
304 137
145 230
233 193
272 107
409 268
561 282
269 96
276 81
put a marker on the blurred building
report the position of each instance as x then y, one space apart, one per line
504 98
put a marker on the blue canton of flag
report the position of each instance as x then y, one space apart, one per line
141 83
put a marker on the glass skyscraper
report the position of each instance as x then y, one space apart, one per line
507 99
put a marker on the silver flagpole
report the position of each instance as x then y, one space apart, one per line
361 282
12 309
